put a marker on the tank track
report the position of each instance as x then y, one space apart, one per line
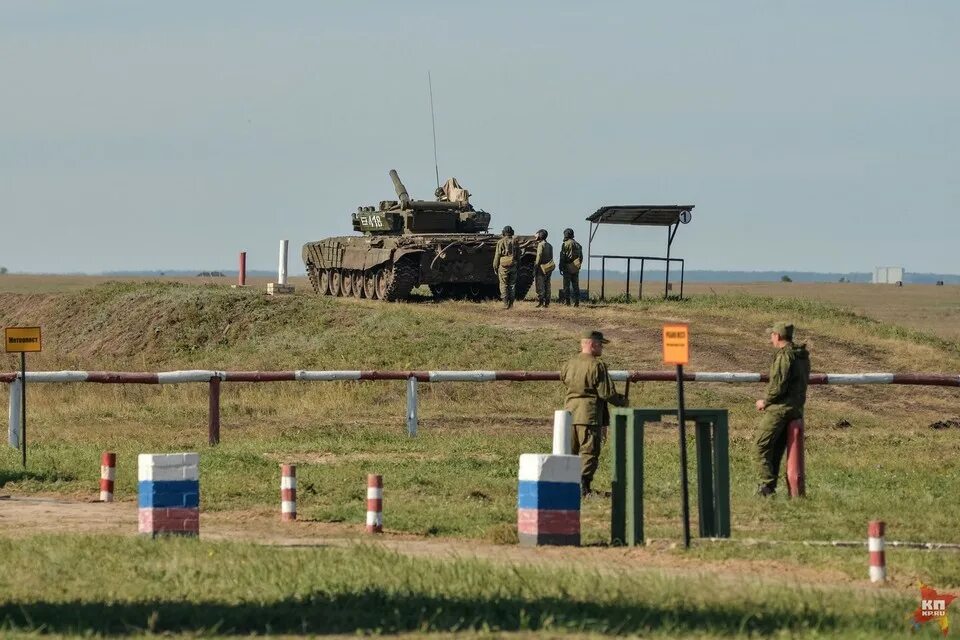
314 275
465 291
404 276
524 279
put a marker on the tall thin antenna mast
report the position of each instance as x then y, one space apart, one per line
433 121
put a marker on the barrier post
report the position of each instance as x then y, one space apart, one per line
282 263
876 546
213 426
705 491
412 406
108 466
562 433
796 464
713 473
168 493
281 286
288 492
374 503
626 521
242 274
13 414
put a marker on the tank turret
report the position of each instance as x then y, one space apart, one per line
407 216
443 243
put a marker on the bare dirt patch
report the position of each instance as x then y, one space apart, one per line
23 516
327 457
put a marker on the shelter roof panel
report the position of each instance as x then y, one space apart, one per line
660 215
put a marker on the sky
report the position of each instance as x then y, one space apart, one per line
815 136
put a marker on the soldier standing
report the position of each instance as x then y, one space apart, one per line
506 258
786 396
543 268
589 391
571 257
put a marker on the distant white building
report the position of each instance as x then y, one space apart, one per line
887 275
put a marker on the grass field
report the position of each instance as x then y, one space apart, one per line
200 588
456 480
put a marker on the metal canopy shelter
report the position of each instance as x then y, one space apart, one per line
670 216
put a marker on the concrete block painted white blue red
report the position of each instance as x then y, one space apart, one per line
169 493
548 500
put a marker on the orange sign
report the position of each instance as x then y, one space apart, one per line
21 339
676 344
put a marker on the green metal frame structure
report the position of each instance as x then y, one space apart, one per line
713 471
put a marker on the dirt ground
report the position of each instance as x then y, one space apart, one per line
26 516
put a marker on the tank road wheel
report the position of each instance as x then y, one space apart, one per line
474 291
490 292
370 284
524 278
336 283
441 291
380 277
401 280
357 278
346 285
323 288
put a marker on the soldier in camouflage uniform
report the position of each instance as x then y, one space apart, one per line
543 269
786 395
571 257
506 259
589 391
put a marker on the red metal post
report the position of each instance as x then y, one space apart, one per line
213 427
796 465
242 277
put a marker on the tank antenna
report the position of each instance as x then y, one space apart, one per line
433 121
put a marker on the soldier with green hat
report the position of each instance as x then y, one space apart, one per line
589 391
506 259
786 395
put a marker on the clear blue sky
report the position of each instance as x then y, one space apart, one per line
810 136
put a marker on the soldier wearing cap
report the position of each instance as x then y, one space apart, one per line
786 395
589 391
506 259
543 269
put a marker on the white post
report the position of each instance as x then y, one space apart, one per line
412 406
13 431
282 267
562 432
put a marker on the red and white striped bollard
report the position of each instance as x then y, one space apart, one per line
288 492
108 469
374 503
875 545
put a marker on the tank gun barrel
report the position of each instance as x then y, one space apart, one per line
401 190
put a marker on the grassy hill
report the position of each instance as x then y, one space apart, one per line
457 478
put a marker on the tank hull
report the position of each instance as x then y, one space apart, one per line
389 267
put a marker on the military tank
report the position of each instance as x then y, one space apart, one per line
443 243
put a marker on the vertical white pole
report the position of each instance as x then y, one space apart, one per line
412 407
282 267
13 431
562 432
